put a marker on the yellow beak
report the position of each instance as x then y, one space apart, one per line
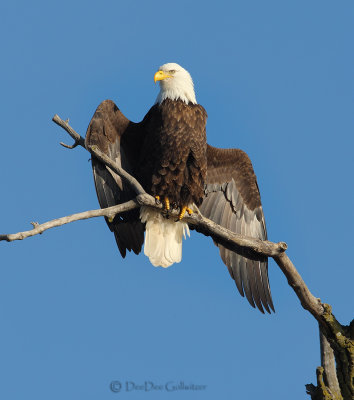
160 75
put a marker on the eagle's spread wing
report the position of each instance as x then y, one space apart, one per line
232 200
119 139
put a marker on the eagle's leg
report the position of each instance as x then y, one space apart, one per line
183 211
157 200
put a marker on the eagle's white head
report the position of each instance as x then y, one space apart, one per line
175 84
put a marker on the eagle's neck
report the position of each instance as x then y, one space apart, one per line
177 89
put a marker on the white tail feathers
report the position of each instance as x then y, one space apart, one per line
163 238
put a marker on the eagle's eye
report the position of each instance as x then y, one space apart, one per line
171 71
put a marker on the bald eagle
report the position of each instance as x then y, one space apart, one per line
168 154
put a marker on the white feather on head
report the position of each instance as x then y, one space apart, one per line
179 86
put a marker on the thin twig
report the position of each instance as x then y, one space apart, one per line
79 140
95 151
69 147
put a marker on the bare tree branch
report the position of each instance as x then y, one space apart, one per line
38 229
338 336
308 301
217 232
329 366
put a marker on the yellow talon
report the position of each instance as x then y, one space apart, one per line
110 219
157 198
183 211
167 203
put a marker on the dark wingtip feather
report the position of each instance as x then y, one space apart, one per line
121 247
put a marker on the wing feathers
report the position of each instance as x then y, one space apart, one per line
106 130
232 200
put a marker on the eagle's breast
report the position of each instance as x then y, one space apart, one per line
173 159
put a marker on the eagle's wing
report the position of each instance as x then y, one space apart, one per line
232 200
118 138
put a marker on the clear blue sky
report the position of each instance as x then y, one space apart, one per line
276 78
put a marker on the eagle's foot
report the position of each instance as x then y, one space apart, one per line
157 200
189 211
183 212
